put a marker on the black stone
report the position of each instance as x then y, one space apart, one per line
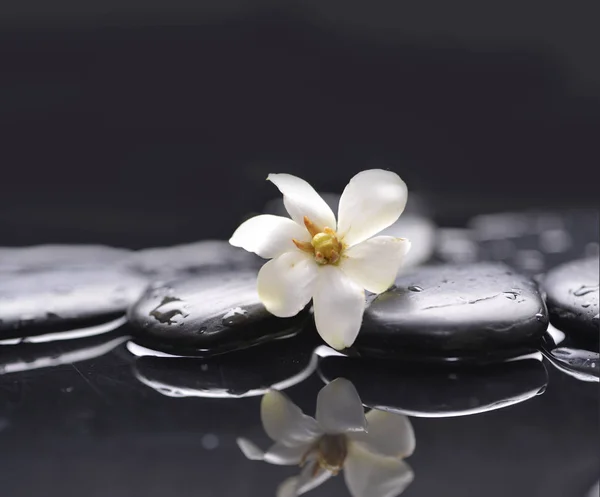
534 242
51 257
193 258
480 312
207 314
52 300
572 298
242 373
438 391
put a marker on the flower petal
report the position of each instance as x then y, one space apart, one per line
301 199
374 263
285 284
305 481
370 475
371 202
284 421
339 409
268 236
278 453
282 454
388 434
338 305
250 449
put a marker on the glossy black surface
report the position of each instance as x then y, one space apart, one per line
572 296
212 313
474 312
248 372
117 435
433 392
536 241
51 300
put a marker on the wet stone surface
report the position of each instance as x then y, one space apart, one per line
51 288
39 302
218 311
479 312
51 257
534 242
572 298
242 373
438 391
188 259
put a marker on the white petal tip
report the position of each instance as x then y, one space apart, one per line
250 449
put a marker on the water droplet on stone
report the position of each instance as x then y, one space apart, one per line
539 316
169 311
234 316
585 290
414 288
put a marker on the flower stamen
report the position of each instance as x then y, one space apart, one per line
304 246
331 452
312 229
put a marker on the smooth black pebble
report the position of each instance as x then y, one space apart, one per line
477 312
536 241
572 298
52 300
438 391
212 313
193 258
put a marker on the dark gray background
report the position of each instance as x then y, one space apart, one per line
148 123
154 123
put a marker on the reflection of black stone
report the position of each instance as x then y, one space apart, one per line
239 374
570 357
438 392
208 314
473 312
34 303
29 356
572 298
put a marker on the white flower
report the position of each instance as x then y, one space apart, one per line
332 263
337 439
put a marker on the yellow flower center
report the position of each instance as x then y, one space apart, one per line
331 452
328 453
325 245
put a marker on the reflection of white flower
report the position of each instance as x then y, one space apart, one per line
337 439
332 263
